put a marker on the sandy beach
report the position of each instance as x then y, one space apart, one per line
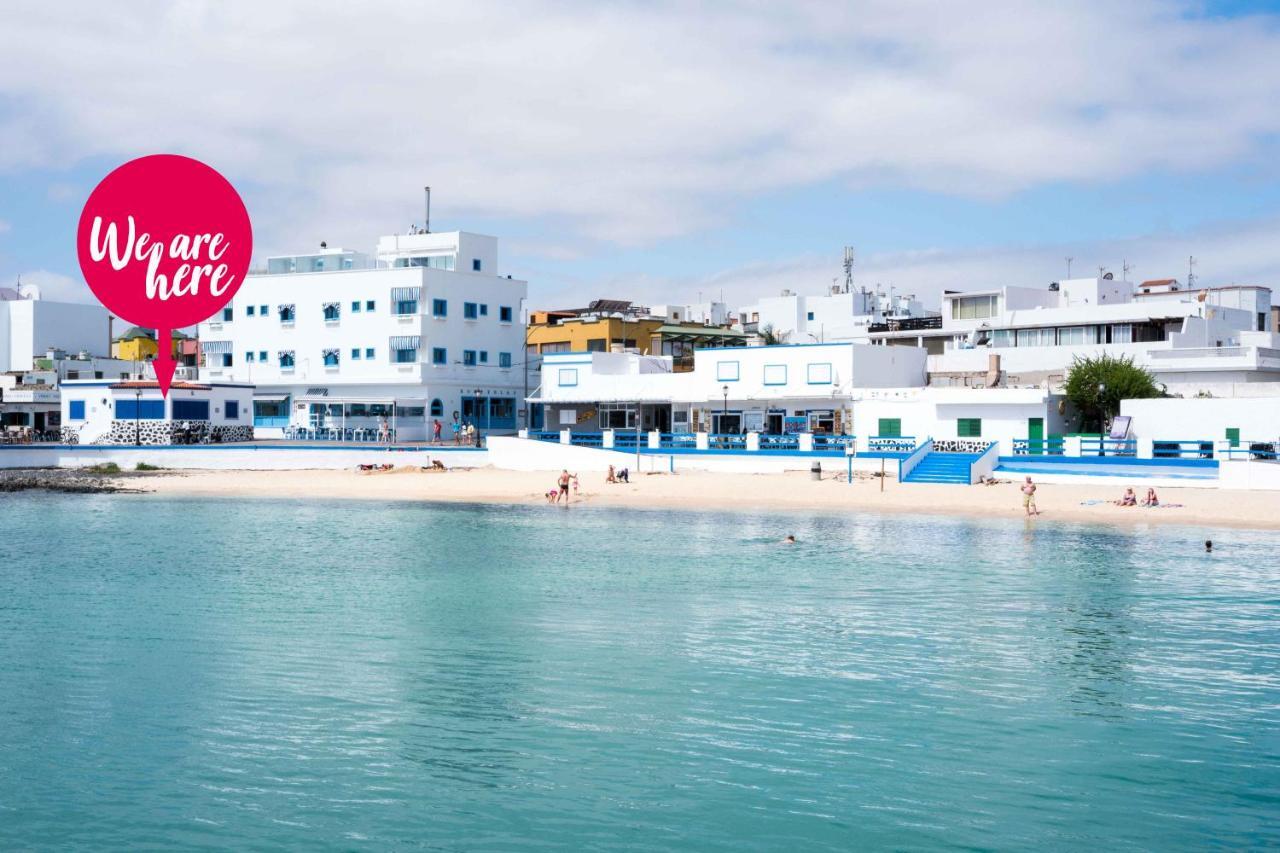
745 492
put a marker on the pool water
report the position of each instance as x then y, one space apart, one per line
288 674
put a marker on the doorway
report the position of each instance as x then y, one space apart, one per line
1035 436
773 421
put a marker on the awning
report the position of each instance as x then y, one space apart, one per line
405 294
216 347
270 398
406 341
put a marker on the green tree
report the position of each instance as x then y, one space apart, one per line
770 337
1095 387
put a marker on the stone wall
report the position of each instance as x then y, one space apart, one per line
149 432
959 445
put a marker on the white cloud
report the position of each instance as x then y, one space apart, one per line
55 287
5 227
629 122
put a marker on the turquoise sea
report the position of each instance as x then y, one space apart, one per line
281 675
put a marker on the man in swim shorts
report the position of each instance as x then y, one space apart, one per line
563 483
1029 497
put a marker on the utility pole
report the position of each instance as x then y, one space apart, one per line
1069 260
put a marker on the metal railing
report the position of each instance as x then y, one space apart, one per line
1102 446
677 440
1039 447
1195 448
586 439
779 442
891 444
544 435
630 439
832 442
726 441
1265 450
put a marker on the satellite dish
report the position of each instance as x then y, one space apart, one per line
1110 276
28 291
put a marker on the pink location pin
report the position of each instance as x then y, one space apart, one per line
164 242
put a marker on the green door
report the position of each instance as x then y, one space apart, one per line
1035 436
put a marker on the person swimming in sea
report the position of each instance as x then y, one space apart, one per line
790 540
1208 546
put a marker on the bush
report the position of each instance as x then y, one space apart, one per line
1095 386
105 468
145 466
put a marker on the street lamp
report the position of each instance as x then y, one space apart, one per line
724 411
137 413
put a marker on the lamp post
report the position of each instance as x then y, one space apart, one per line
724 409
137 413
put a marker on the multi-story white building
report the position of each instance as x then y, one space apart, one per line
1191 340
31 326
841 314
426 330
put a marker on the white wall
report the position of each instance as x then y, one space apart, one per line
1258 418
31 327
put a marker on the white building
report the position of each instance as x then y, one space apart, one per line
841 314
134 412
426 331
29 399
31 326
1190 340
774 390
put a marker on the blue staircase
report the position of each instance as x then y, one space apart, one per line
943 468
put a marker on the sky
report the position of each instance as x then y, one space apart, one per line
670 152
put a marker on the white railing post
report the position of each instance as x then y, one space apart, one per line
1071 446
655 439
753 442
806 442
606 439
524 433
703 441
1145 448
564 436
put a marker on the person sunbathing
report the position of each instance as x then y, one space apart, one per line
1130 498
1151 499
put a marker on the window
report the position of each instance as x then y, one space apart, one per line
468 358
142 410
437 408
369 304
439 308
355 353
1036 337
809 316
1233 433
286 358
501 409
504 359
469 310
726 371
567 377
439 356
504 313
368 352
231 411
248 357
475 265
1002 338
331 358
76 412
226 359
332 312
355 306
969 427
596 345
191 410
889 428
819 373
1122 333
484 309
404 356
974 307
406 306
262 310
249 311
775 374
484 356
227 315
287 313
262 355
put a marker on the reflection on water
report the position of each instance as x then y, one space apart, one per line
287 674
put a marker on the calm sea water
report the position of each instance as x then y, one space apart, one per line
276 675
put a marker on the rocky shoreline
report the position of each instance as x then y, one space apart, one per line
69 480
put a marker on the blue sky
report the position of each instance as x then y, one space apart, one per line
655 152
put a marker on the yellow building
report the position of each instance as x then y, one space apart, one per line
564 331
139 344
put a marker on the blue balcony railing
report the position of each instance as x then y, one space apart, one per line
891 444
1265 450
544 435
727 441
678 440
829 443
1092 445
779 442
586 439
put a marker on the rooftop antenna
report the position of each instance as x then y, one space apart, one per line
1127 268
1102 271
1069 260
848 269
1191 271
426 225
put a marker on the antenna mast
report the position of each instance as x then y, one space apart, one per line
1069 260
426 226
1191 271
848 269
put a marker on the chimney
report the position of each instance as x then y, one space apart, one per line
993 371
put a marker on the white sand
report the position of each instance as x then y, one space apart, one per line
756 492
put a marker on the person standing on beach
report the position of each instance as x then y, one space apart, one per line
435 430
1029 497
563 483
